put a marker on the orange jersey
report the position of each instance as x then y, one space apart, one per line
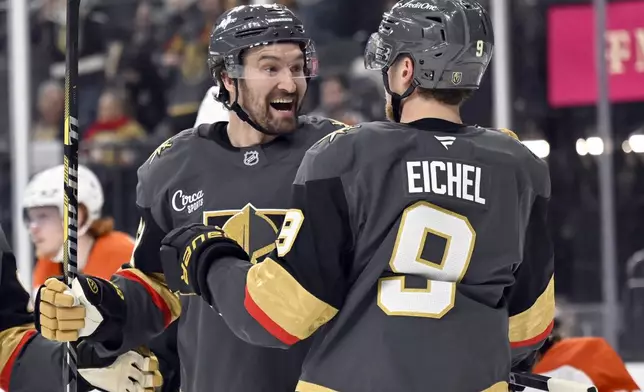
593 357
108 254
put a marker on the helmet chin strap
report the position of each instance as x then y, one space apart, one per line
241 113
396 99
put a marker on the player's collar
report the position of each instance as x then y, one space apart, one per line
436 124
256 156
217 132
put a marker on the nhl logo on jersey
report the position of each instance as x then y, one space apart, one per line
251 158
457 78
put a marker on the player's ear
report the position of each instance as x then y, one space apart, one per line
407 71
229 84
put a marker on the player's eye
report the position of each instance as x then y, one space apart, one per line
297 70
270 69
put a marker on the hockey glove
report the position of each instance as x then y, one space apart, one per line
187 253
93 308
134 371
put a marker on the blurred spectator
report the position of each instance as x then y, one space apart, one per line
113 131
139 74
48 126
331 20
185 58
101 250
93 48
335 102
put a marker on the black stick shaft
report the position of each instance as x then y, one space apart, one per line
70 160
550 384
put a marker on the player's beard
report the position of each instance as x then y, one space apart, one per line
259 110
389 111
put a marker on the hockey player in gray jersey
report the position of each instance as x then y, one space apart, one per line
417 248
31 363
235 175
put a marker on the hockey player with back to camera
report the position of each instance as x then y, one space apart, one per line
31 363
418 247
236 175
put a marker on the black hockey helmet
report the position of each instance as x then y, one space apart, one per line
449 41
247 26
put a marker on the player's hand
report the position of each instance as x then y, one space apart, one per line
134 371
92 308
187 253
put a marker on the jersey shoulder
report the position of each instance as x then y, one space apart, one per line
320 125
156 171
332 155
526 162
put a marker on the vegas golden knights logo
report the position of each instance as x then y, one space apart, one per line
255 229
457 78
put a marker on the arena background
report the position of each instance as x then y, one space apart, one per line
144 61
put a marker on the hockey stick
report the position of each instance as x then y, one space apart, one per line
544 383
70 162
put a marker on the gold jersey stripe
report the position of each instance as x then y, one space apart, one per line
500 386
304 386
11 340
289 305
535 320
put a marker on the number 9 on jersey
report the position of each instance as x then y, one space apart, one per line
434 301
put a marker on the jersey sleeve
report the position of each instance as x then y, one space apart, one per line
532 297
151 305
23 352
303 283
16 319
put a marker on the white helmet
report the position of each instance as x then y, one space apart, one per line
46 190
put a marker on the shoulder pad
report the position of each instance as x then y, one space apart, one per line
333 136
509 133
323 122
153 173
159 150
167 145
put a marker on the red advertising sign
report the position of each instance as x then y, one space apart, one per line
571 54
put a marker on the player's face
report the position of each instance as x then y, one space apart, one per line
46 230
273 86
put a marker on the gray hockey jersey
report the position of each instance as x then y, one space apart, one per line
198 176
418 252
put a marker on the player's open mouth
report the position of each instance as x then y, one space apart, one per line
283 104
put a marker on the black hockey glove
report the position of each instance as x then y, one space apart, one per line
524 366
187 253
93 308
